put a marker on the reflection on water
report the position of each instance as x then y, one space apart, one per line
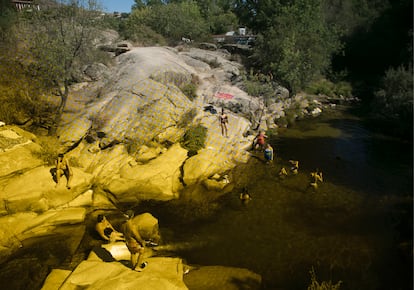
356 228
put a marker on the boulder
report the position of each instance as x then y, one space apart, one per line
158 179
17 150
35 190
55 279
205 164
16 228
160 274
96 71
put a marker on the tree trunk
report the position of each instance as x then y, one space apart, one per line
61 108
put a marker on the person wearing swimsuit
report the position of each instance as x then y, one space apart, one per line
63 168
268 153
106 231
223 122
259 141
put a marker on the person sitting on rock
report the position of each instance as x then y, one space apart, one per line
259 141
295 166
134 242
107 231
63 168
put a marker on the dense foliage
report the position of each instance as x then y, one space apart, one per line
194 139
316 45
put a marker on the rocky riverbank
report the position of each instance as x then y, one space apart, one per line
120 131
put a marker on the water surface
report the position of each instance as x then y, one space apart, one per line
357 227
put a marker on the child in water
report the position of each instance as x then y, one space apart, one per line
268 153
315 178
295 166
245 196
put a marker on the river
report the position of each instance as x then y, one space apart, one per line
355 228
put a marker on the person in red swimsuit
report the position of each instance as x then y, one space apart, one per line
259 141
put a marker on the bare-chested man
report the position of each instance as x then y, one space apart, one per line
63 168
134 242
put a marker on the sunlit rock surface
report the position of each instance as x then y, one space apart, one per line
16 228
35 190
160 273
158 179
17 150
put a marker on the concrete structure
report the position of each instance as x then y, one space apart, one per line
25 4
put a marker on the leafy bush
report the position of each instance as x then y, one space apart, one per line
143 35
330 89
49 151
395 98
258 84
19 92
172 21
315 285
187 118
190 90
194 139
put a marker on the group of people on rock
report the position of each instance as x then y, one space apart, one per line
128 234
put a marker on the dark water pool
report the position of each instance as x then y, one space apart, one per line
356 228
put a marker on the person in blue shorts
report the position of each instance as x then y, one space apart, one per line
268 153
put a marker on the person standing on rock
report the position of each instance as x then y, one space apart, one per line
63 168
259 141
134 242
268 153
223 122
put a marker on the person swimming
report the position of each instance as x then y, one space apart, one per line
283 173
245 196
315 178
295 166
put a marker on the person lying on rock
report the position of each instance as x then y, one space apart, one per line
134 242
63 168
107 231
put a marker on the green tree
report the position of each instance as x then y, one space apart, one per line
60 41
173 21
394 100
298 46
8 19
218 15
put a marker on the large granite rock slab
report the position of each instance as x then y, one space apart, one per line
35 190
160 274
158 179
